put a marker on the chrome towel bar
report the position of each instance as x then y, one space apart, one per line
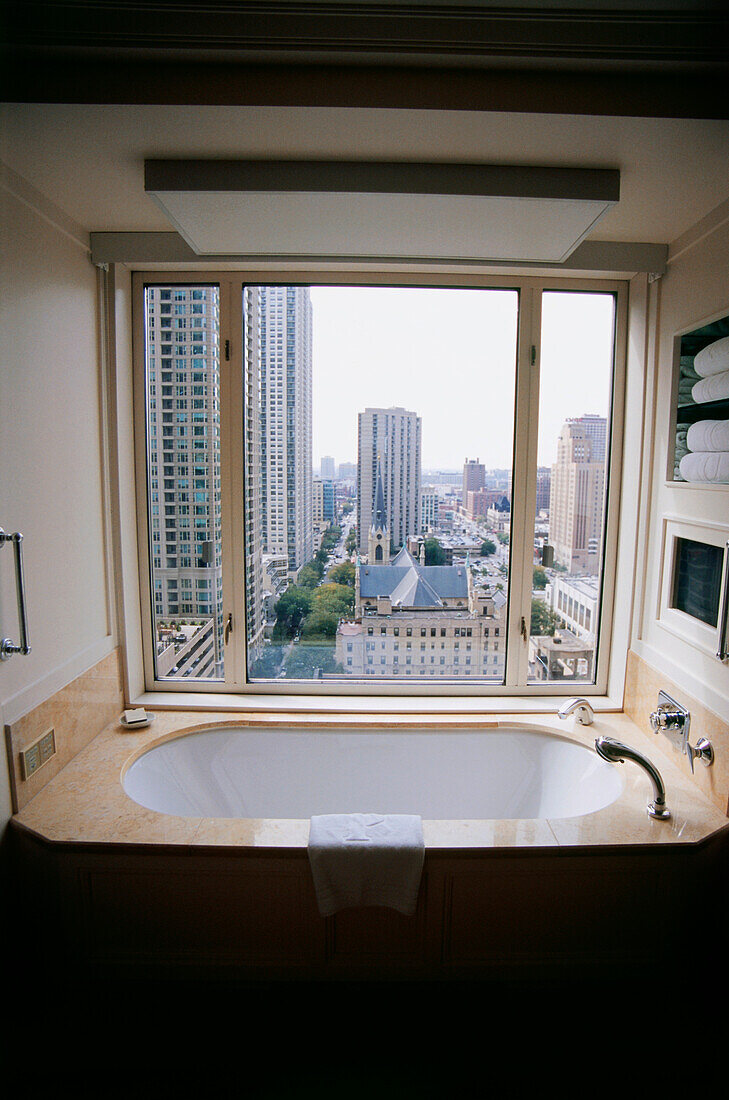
7 646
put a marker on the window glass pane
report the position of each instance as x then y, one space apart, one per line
379 439
577 346
183 480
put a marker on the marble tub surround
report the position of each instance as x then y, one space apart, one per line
642 684
85 803
77 713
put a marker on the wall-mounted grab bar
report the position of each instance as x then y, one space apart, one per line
7 646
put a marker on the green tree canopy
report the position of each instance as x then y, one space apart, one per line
544 620
335 598
320 623
343 574
488 547
330 538
434 553
539 577
310 574
291 610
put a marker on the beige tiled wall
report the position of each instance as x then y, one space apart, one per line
77 713
643 682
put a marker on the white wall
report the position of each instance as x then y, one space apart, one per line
51 480
694 290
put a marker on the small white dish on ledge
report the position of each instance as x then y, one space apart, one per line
129 722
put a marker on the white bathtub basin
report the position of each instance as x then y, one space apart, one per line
507 772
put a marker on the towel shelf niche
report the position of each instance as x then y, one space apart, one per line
701 394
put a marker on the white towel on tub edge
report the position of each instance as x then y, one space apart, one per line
366 859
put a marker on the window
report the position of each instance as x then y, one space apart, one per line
493 403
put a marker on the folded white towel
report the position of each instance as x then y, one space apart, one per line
706 466
686 369
366 859
713 388
708 435
713 359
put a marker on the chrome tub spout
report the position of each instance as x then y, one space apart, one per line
581 709
615 752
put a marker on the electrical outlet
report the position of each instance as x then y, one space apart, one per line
47 745
37 754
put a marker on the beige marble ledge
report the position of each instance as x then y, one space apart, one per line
86 803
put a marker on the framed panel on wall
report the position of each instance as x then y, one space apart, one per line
694 593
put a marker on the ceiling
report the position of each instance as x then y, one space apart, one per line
92 90
89 159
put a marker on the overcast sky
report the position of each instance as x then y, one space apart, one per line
449 355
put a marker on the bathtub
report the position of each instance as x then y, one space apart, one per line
242 772
182 847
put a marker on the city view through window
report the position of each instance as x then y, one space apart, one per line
378 444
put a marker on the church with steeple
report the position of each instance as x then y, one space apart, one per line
378 542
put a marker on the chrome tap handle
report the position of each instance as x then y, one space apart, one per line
672 719
703 750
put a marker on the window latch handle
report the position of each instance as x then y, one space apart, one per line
228 626
523 629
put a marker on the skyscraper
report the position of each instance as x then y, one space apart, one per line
286 422
183 420
576 495
255 611
391 437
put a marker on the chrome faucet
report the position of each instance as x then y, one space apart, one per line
615 752
674 720
581 709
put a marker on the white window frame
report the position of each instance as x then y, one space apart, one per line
459 694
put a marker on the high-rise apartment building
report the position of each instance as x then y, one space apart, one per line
544 481
429 508
595 428
328 468
392 438
576 495
255 602
324 507
183 421
286 423
474 476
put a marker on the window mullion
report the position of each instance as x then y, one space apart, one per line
231 480
523 486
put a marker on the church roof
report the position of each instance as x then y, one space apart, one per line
409 584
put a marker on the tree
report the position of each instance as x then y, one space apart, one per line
320 624
434 553
343 574
337 599
488 547
310 574
539 577
291 610
543 620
